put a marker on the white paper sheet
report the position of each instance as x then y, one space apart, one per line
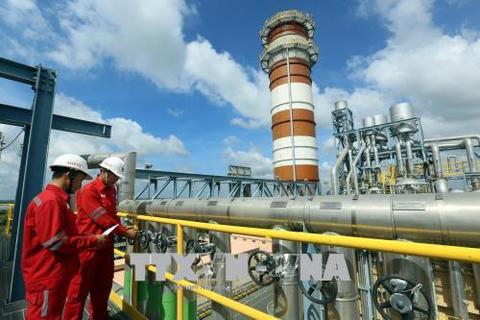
109 230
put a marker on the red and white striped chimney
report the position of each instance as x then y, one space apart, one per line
288 55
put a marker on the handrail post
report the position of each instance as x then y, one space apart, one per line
9 218
179 288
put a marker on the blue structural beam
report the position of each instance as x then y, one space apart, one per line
37 123
35 154
21 117
17 71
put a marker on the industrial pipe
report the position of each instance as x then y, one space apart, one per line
410 168
400 166
453 138
417 217
353 171
334 171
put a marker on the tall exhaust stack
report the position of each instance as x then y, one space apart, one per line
288 55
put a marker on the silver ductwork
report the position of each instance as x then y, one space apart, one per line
452 219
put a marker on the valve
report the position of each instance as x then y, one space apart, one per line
144 239
327 289
395 295
318 291
201 248
160 242
261 268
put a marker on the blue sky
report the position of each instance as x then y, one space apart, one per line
181 84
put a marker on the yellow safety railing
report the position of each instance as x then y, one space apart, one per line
435 251
8 225
457 168
230 303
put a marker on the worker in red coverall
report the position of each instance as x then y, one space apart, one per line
97 211
50 242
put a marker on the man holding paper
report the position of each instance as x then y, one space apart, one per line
97 214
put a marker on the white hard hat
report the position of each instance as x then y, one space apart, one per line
115 165
71 161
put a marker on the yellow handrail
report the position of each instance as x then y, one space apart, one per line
435 251
230 303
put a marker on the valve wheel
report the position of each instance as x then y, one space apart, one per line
327 289
144 240
160 242
395 295
261 266
192 247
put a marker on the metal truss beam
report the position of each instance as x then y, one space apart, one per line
16 116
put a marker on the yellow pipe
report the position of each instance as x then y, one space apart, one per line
119 253
227 302
179 289
435 251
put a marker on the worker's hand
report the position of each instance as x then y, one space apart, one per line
131 233
102 240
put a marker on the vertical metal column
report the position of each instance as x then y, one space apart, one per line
126 188
189 298
291 280
35 163
365 284
223 287
18 194
457 287
346 303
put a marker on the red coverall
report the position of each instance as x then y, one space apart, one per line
49 253
96 204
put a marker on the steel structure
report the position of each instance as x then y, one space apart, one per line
37 123
165 184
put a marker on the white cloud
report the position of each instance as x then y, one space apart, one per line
127 135
221 79
146 37
176 113
328 146
231 140
437 71
262 166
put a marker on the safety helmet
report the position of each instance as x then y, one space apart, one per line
115 165
71 161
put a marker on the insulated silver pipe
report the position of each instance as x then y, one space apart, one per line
126 186
346 303
453 138
353 171
291 279
457 289
476 276
437 160
471 159
222 286
409 160
398 154
415 217
334 171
